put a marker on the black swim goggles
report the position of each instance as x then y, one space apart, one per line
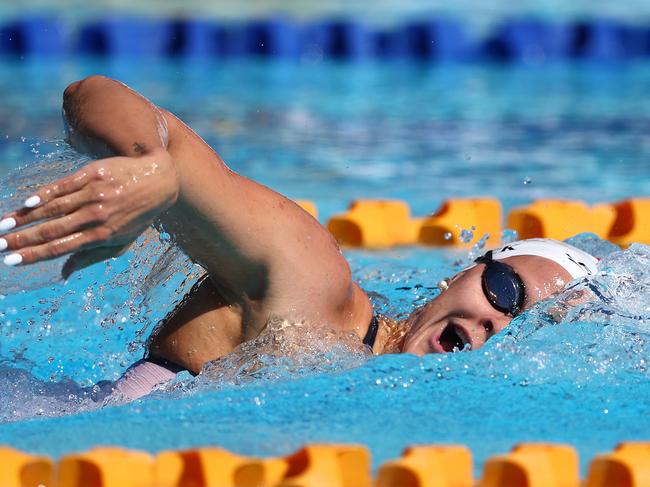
502 286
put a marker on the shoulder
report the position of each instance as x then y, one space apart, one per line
318 289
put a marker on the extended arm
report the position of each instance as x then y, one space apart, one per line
262 251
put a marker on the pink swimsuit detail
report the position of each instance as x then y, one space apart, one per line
143 377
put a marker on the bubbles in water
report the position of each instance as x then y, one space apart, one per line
448 235
527 181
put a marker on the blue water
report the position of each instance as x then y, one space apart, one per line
480 15
331 133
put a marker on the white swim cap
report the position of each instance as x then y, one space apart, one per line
575 261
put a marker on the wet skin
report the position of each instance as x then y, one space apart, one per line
264 256
462 316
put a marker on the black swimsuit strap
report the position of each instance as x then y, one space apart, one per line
371 334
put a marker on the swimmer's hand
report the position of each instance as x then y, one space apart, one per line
93 214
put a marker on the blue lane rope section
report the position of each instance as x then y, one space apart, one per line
519 40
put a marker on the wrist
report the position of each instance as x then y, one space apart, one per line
161 164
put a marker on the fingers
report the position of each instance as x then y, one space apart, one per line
86 258
63 205
56 248
54 199
65 186
47 231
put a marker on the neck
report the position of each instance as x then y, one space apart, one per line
390 335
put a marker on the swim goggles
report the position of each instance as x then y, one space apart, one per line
502 286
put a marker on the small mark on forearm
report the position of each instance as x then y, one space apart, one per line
139 148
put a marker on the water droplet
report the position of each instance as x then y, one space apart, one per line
466 236
527 180
448 235
509 235
480 245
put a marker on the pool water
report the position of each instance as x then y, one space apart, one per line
479 16
332 133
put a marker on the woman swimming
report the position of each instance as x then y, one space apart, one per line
265 258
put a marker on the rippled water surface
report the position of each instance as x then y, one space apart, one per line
331 133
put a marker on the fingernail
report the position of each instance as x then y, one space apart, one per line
13 259
32 201
7 224
3 245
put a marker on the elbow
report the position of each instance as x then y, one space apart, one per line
77 88
71 89
79 94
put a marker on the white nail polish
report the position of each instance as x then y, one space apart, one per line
3 245
13 259
32 202
7 224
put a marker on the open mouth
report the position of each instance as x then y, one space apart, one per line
453 338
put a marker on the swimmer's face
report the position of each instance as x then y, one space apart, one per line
462 314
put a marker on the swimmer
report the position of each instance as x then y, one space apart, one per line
265 257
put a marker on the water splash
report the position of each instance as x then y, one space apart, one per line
54 159
508 235
467 234
60 340
598 328
93 326
286 350
598 338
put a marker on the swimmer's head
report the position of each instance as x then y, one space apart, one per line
482 299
